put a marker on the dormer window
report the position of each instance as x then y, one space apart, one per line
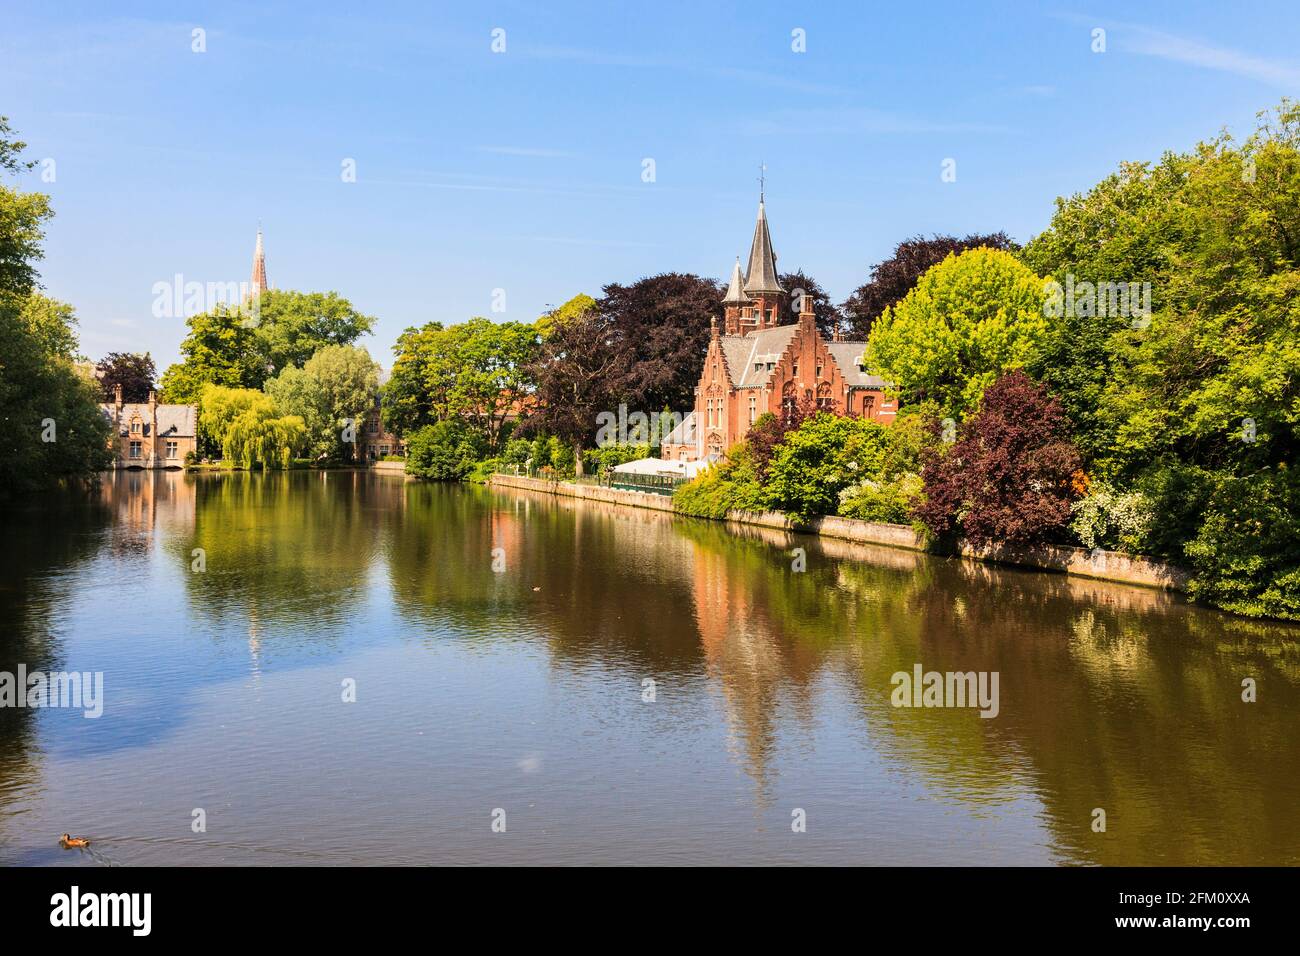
135 426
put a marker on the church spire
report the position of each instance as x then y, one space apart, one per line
258 285
761 274
735 291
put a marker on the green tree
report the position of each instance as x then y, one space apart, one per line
970 318
345 381
821 458
444 451
491 373
579 305
219 350
892 279
477 370
411 400
220 405
290 327
240 346
53 324
51 428
1213 378
248 427
1245 555
297 392
22 222
730 485
258 438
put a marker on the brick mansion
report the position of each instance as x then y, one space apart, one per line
756 362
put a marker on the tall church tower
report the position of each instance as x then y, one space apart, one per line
755 299
258 284
764 291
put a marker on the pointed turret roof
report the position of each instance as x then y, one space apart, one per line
761 274
736 290
258 285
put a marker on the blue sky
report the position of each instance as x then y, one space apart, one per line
522 170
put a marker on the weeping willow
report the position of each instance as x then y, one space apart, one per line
255 438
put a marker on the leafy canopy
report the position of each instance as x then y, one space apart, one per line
969 319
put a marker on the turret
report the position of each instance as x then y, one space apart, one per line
735 301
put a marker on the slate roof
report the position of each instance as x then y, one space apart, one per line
743 352
735 292
176 420
761 274
683 434
846 355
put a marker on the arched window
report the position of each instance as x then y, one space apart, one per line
788 402
825 402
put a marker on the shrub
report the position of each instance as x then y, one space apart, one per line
1010 476
825 455
444 451
1111 519
560 456
1179 495
769 431
517 451
730 485
1245 558
889 500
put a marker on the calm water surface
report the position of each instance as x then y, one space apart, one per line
523 690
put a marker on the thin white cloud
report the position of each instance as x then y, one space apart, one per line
1167 46
1149 41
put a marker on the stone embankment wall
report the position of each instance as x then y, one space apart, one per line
1103 565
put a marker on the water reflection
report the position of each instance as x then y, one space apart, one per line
1111 697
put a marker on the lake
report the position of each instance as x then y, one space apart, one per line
344 667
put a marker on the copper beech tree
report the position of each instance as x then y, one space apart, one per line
1012 473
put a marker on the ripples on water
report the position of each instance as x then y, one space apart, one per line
523 691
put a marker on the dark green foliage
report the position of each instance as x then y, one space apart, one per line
1246 556
444 451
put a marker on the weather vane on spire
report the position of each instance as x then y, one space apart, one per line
762 179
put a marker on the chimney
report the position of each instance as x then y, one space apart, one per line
806 316
153 399
837 335
117 396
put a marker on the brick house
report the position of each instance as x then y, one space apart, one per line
754 364
373 441
150 435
